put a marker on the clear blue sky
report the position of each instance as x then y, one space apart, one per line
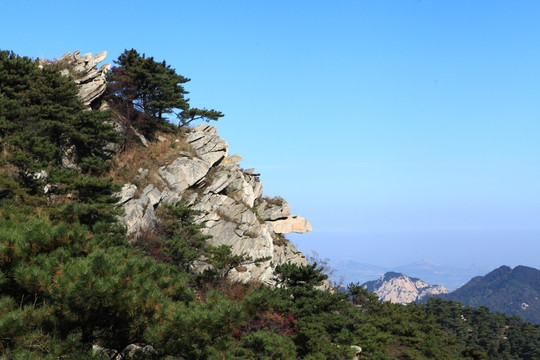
402 130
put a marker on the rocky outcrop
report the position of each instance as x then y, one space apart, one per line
84 71
229 200
206 179
131 352
401 289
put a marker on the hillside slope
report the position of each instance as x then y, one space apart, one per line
75 285
506 290
195 168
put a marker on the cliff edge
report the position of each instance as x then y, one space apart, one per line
230 201
204 178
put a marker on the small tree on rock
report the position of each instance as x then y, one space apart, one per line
147 91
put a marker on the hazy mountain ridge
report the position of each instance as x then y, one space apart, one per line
511 291
450 276
505 290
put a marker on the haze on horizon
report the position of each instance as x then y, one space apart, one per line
403 130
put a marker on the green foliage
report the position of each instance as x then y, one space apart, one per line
322 319
43 124
70 279
177 240
484 334
223 261
264 345
199 330
504 290
146 91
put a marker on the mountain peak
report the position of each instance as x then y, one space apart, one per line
399 288
511 291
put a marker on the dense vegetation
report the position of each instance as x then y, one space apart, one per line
510 291
497 335
70 279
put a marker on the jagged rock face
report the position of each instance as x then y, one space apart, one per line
229 199
401 289
83 69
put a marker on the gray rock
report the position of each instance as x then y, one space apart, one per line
91 75
358 351
143 173
101 351
230 203
290 224
153 194
206 142
136 352
184 172
231 159
69 158
133 217
401 289
96 59
170 197
90 91
190 200
277 209
220 182
40 175
127 193
139 213
91 80
255 183
240 189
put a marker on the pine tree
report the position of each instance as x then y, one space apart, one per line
146 91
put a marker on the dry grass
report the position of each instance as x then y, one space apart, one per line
274 201
226 217
280 240
126 165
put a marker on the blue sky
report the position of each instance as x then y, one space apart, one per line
403 130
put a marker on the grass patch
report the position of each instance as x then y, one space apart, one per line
274 201
126 164
279 240
226 217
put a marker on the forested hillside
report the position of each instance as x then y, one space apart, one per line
74 285
506 290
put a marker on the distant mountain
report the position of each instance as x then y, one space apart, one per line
451 276
506 290
401 289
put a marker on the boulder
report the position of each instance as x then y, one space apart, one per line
83 69
273 209
231 159
183 173
290 224
136 352
358 352
88 92
240 190
126 193
206 142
